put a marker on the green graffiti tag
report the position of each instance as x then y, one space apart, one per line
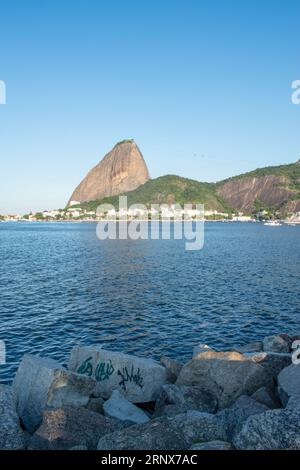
104 370
86 367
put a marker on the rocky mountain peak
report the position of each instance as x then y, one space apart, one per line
123 169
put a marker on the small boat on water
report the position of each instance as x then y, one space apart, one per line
273 223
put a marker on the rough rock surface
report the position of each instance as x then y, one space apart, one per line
138 379
176 399
241 193
289 383
266 396
226 375
173 368
277 343
11 434
272 430
178 433
64 428
212 445
255 346
122 169
42 383
96 405
233 418
120 408
272 362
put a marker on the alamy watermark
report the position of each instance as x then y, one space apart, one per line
159 221
2 92
296 93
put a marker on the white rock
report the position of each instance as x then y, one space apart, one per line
200 348
120 408
138 379
42 383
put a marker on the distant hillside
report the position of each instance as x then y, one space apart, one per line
274 187
168 189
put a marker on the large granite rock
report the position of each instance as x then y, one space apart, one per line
255 346
212 445
272 430
120 408
176 399
42 383
267 396
272 362
289 383
96 405
178 433
233 418
277 343
173 368
243 192
138 379
121 170
11 434
226 375
64 428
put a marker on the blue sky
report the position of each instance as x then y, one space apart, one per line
203 87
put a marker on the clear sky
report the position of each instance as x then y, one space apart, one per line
204 87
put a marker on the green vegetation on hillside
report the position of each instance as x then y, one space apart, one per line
172 189
168 189
125 141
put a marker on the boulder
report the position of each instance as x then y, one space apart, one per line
173 368
176 399
272 362
255 346
96 405
289 383
42 383
200 348
123 169
120 408
233 418
272 430
177 433
138 379
266 396
212 445
11 434
227 375
277 343
64 428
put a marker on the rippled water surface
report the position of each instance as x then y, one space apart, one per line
60 286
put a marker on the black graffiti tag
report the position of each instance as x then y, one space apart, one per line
131 376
